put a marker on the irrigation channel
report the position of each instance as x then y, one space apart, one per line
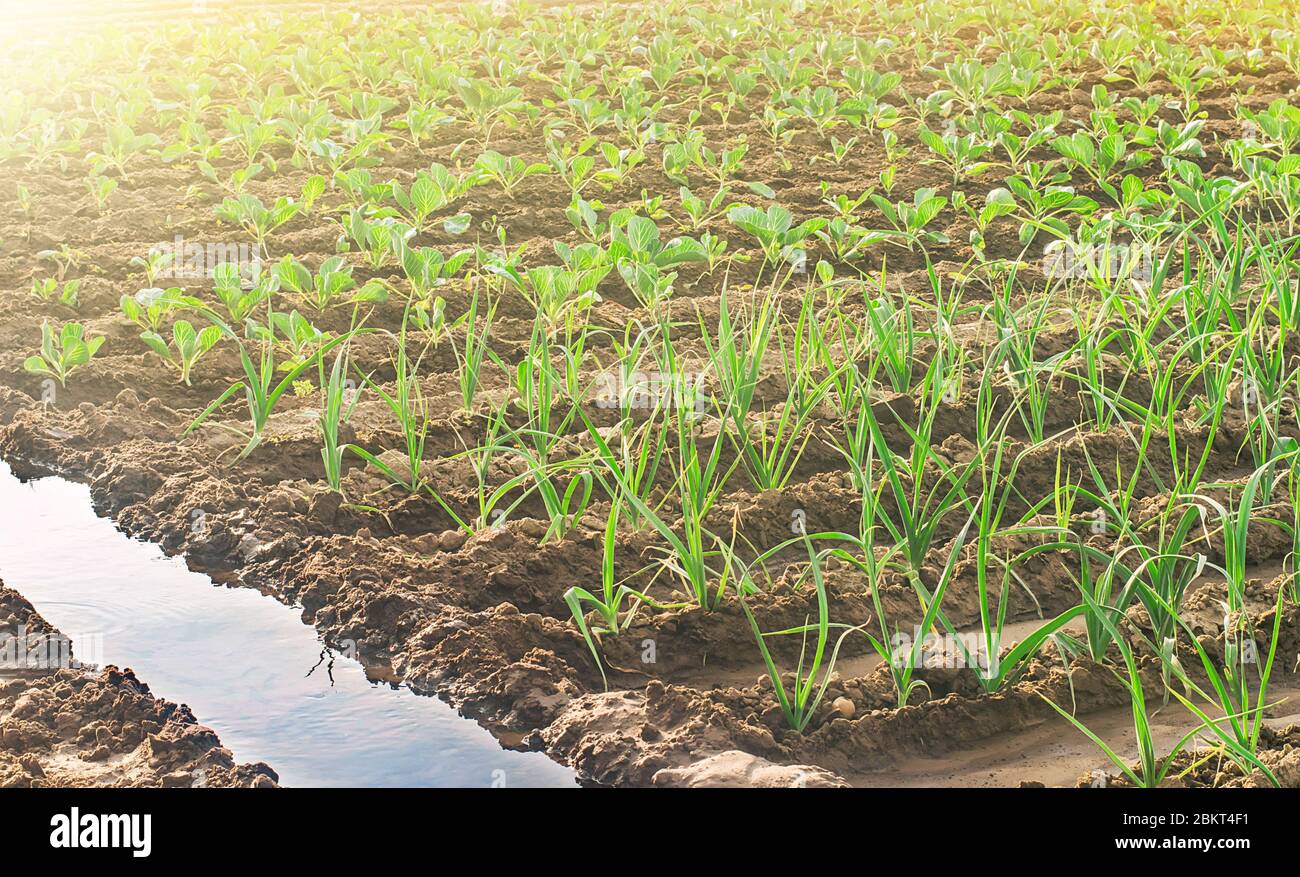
246 664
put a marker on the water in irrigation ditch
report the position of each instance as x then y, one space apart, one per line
247 665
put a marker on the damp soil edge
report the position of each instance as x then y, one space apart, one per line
63 725
246 663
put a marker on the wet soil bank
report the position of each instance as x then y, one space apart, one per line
63 724
243 662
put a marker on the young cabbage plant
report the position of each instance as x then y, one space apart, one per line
644 262
187 347
427 268
430 191
293 334
508 171
379 238
150 308
560 296
909 221
242 298
63 352
48 289
255 218
774 229
331 285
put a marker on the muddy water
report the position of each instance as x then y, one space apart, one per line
247 665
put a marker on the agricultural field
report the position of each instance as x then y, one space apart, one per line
764 393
